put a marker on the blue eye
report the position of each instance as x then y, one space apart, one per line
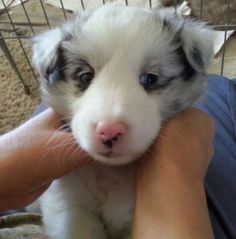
84 80
149 81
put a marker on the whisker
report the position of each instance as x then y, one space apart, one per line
52 147
56 131
62 144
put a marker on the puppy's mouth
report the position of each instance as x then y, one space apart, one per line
109 154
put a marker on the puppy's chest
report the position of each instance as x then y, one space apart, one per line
109 183
112 190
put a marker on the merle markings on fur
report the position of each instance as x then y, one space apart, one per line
115 73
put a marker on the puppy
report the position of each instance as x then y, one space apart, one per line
115 74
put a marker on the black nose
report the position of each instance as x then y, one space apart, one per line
108 143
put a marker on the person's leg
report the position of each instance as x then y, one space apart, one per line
220 103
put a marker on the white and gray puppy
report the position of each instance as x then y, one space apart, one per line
115 74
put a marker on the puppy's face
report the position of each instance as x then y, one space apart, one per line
116 73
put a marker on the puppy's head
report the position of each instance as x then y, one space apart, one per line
116 73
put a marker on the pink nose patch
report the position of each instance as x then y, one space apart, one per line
111 132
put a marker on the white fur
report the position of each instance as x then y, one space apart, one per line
119 43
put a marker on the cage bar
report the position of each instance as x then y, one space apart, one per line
45 14
175 5
226 26
36 24
19 40
11 60
150 3
201 9
16 37
82 4
27 16
225 37
63 9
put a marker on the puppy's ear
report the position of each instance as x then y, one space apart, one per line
193 37
47 52
48 56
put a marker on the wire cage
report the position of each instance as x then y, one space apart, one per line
20 23
34 16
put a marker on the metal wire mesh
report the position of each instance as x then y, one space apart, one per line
46 20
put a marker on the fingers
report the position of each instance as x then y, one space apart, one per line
53 159
22 200
37 154
60 150
63 154
57 150
47 119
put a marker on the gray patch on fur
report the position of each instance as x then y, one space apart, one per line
187 59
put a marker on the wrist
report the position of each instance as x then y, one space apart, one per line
185 159
164 205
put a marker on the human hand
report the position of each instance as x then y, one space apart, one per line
170 196
32 156
185 143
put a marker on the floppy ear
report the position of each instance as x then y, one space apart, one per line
47 47
194 37
197 42
46 51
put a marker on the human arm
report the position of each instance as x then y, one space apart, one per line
170 196
32 156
